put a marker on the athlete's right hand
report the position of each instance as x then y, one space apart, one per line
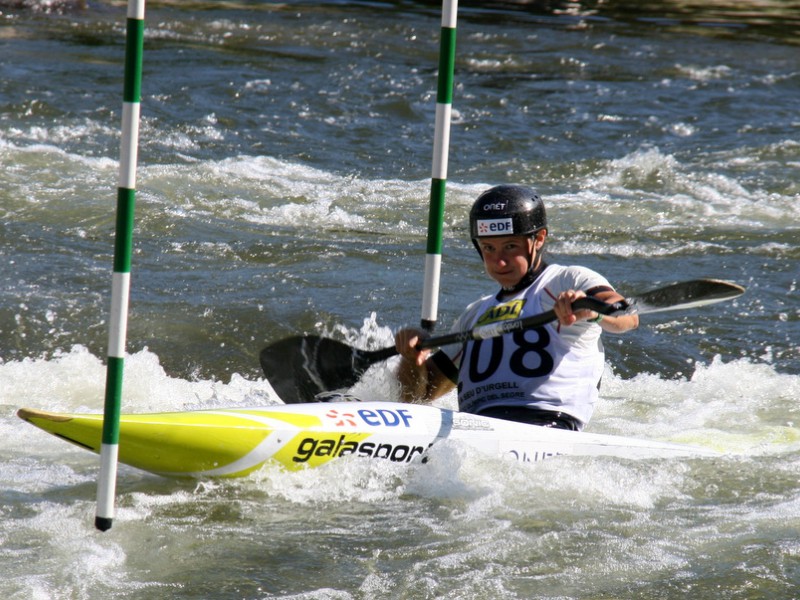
406 340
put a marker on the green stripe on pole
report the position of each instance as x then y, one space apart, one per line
112 410
447 59
134 42
436 216
123 244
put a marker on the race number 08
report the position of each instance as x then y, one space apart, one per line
517 362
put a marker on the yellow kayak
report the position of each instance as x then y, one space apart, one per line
234 442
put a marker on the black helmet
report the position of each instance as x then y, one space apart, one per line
506 210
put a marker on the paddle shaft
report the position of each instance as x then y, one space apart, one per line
495 329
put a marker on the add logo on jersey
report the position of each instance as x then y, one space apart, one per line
508 311
495 226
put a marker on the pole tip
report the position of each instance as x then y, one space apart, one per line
103 523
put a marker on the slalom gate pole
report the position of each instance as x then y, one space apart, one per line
123 249
441 145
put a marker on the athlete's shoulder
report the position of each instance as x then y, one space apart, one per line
573 277
478 303
469 314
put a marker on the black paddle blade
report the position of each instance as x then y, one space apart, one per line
689 294
300 367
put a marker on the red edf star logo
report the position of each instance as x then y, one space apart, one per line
341 419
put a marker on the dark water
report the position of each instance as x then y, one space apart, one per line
285 157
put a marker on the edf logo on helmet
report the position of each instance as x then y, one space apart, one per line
495 226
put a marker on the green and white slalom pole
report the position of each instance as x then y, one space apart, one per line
441 146
123 249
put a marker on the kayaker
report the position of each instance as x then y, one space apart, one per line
546 376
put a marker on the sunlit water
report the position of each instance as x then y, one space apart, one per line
283 184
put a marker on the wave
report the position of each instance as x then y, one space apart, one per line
644 190
708 405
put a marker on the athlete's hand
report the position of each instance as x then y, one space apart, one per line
563 308
406 341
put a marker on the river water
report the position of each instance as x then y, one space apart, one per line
284 174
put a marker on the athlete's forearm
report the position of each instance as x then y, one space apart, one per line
619 324
615 323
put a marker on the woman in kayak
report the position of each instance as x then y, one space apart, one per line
547 375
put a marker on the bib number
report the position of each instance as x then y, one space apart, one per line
528 359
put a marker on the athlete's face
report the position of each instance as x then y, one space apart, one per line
507 258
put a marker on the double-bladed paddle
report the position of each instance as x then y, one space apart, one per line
301 367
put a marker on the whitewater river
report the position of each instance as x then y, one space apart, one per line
283 183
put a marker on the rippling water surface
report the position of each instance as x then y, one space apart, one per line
284 174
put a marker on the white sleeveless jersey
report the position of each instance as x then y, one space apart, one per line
549 367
